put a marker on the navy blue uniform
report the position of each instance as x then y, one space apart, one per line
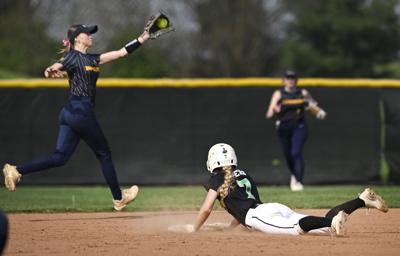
77 121
3 231
83 71
242 194
292 130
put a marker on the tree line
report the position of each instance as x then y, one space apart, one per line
224 38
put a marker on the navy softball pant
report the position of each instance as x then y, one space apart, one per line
3 231
77 121
292 136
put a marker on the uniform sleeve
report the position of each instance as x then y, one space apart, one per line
96 58
68 61
214 183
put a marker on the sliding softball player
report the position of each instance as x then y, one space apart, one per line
237 194
289 104
77 120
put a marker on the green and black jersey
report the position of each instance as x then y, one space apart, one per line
242 195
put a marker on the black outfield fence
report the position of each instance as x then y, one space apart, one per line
391 138
161 135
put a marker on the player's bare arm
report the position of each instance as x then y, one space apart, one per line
308 97
206 209
124 51
54 71
313 107
157 25
273 105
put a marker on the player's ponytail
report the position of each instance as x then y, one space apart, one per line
68 45
224 188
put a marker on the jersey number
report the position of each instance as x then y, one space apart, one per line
246 184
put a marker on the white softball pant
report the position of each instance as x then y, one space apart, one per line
275 218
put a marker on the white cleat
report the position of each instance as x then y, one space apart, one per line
373 200
338 223
11 176
295 185
128 195
292 181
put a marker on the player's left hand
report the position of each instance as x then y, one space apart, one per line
144 37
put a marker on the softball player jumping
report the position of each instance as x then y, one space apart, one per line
238 194
77 119
289 103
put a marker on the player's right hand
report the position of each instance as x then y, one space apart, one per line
53 73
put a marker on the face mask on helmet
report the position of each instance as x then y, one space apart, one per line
221 155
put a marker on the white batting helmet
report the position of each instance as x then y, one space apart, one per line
220 155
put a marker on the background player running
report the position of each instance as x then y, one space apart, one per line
77 120
289 104
238 194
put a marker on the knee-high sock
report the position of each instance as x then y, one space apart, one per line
348 207
312 222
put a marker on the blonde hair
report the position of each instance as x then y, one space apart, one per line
70 46
223 190
65 50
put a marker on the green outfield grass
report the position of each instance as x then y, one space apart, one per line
171 198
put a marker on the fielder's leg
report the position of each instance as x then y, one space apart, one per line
67 141
299 138
93 135
285 139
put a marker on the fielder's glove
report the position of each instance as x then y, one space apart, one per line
158 25
318 112
321 114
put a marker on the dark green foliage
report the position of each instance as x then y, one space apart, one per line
346 38
225 38
25 47
234 39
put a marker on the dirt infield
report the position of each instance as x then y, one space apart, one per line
145 233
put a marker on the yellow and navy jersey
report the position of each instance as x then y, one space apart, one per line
83 72
292 105
242 195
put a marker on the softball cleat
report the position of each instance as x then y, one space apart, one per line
338 223
297 187
373 200
11 176
128 195
292 181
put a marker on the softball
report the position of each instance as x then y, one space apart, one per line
162 23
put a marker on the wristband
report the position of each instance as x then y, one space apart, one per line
133 45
